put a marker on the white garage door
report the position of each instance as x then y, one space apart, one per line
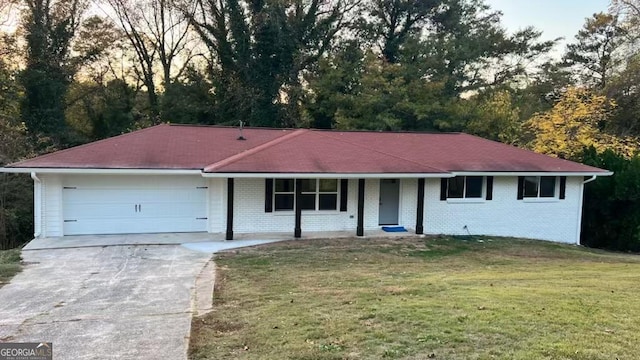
135 204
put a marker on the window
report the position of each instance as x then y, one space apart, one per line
284 193
315 194
328 194
464 187
539 187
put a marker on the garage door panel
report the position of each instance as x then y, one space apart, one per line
129 226
172 209
98 210
170 198
105 196
134 205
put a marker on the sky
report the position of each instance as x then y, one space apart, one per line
555 18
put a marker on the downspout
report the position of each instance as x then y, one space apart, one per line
37 205
581 201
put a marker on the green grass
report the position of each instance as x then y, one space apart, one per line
442 297
9 265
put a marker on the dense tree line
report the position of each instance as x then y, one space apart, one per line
73 72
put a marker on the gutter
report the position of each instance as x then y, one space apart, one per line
37 206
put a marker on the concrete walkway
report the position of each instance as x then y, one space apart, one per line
116 302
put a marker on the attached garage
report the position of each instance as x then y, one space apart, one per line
133 204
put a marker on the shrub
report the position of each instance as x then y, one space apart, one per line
611 217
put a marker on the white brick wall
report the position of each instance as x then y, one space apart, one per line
249 214
217 212
555 220
408 203
371 202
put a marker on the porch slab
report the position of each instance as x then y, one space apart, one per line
204 242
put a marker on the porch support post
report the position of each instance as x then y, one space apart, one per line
420 208
360 228
297 232
229 209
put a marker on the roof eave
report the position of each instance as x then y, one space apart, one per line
99 171
123 171
331 175
532 173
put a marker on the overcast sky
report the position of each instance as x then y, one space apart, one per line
556 18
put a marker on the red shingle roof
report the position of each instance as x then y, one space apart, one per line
217 149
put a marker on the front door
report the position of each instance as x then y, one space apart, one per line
389 201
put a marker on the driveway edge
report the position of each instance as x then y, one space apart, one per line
205 283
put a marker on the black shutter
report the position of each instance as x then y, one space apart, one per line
563 187
520 187
344 194
489 187
268 195
443 189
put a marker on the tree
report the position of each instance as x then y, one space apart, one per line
49 27
373 94
468 50
189 100
431 62
16 191
101 110
159 33
104 51
496 118
593 53
259 50
623 89
390 23
576 122
541 89
334 80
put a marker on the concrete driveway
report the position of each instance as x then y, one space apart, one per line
115 302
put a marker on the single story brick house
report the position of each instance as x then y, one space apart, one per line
181 178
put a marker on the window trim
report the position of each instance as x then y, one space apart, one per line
317 194
464 199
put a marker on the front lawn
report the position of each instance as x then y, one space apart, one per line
439 297
9 265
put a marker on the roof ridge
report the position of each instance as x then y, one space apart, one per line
268 144
383 152
82 146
